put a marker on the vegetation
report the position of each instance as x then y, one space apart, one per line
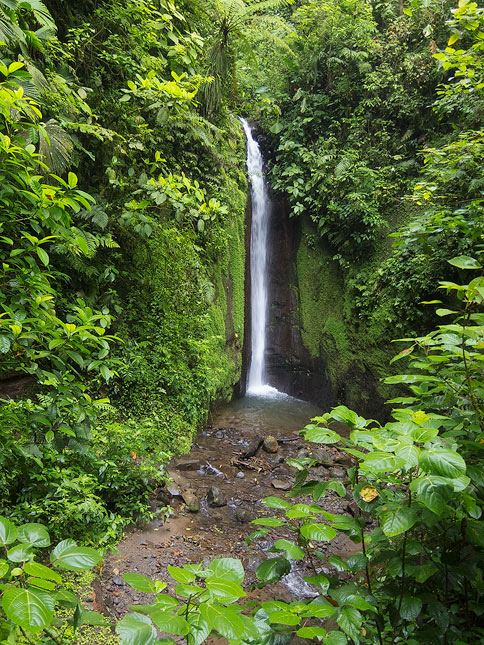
122 297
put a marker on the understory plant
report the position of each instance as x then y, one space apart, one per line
31 586
416 490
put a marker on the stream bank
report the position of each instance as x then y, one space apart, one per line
221 524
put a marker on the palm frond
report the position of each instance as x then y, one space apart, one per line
41 13
56 148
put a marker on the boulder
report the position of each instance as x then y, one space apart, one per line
215 497
191 500
270 444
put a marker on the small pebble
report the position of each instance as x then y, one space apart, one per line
240 475
143 543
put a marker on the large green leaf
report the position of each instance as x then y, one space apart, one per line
433 492
224 591
171 623
139 582
321 435
74 558
465 262
311 633
227 623
273 569
34 534
20 553
199 628
350 621
276 502
41 571
410 608
32 609
136 629
8 531
284 618
319 532
227 569
181 575
377 462
293 552
398 520
442 461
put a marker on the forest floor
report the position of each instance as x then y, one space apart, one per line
228 491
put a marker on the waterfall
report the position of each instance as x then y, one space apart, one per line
256 381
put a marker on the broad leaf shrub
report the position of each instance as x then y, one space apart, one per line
417 485
52 470
31 588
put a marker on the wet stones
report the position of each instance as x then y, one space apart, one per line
244 515
191 500
270 444
279 484
188 465
216 498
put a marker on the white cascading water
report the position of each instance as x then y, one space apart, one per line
256 384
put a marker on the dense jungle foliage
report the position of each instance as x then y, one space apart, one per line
122 294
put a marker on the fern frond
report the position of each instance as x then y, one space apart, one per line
253 6
342 167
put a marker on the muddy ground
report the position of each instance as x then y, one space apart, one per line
189 535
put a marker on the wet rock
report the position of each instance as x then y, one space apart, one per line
219 434
240 475
338 472
188 465
303 453
215 497
162 496
270 444
281 485
244 515
253 447
191 500
118 581
174 490
143 543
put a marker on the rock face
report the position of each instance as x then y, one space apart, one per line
270 444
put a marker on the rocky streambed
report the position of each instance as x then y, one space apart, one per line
217 490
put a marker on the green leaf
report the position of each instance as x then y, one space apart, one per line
227 623
199 628
409 454
381 462
30 608
227 569
139 582
465 262
92 618
335 638
72 180
433 492
4 568
136 629
41 571
350 621
8 531
273 569
268 521
74 558
34 534
398 520
311 633
181 575
4 344
224 590
276 502
442 461
66 598
284 618
320 581
293 552
410 608
321 435
171 623
319 532
43 255
19 553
